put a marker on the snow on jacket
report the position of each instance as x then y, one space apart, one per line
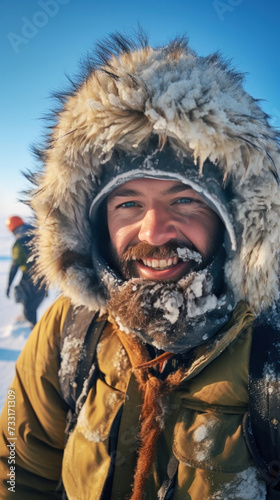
203 426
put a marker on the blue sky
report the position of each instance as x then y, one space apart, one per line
42 40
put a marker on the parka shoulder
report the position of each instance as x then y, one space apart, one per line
40 411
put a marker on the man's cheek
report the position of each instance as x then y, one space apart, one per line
129 269
112 257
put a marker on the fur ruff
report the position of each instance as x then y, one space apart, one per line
135 93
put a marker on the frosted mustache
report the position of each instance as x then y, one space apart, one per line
171 249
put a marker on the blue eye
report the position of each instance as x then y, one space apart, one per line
185 201
188 201
128 204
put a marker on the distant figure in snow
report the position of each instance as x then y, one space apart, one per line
26 292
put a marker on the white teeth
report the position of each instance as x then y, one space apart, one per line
161 263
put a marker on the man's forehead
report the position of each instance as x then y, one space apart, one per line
140 186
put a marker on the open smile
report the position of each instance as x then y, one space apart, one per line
162 269
160 264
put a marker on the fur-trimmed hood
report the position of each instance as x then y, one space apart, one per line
136 94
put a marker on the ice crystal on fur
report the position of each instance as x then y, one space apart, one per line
171 316
170 303
186 254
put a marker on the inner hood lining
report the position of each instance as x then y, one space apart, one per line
212 201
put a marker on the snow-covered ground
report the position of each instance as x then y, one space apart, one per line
13 333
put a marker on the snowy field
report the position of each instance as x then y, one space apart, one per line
13 332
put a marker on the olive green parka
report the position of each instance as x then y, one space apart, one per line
203 424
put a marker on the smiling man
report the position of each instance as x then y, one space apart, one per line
166 242
158 217
157 213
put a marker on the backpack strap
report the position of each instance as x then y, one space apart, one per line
262 422
78 372
166 492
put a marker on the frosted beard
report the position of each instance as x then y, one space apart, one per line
173 316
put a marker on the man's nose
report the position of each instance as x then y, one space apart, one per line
157 227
